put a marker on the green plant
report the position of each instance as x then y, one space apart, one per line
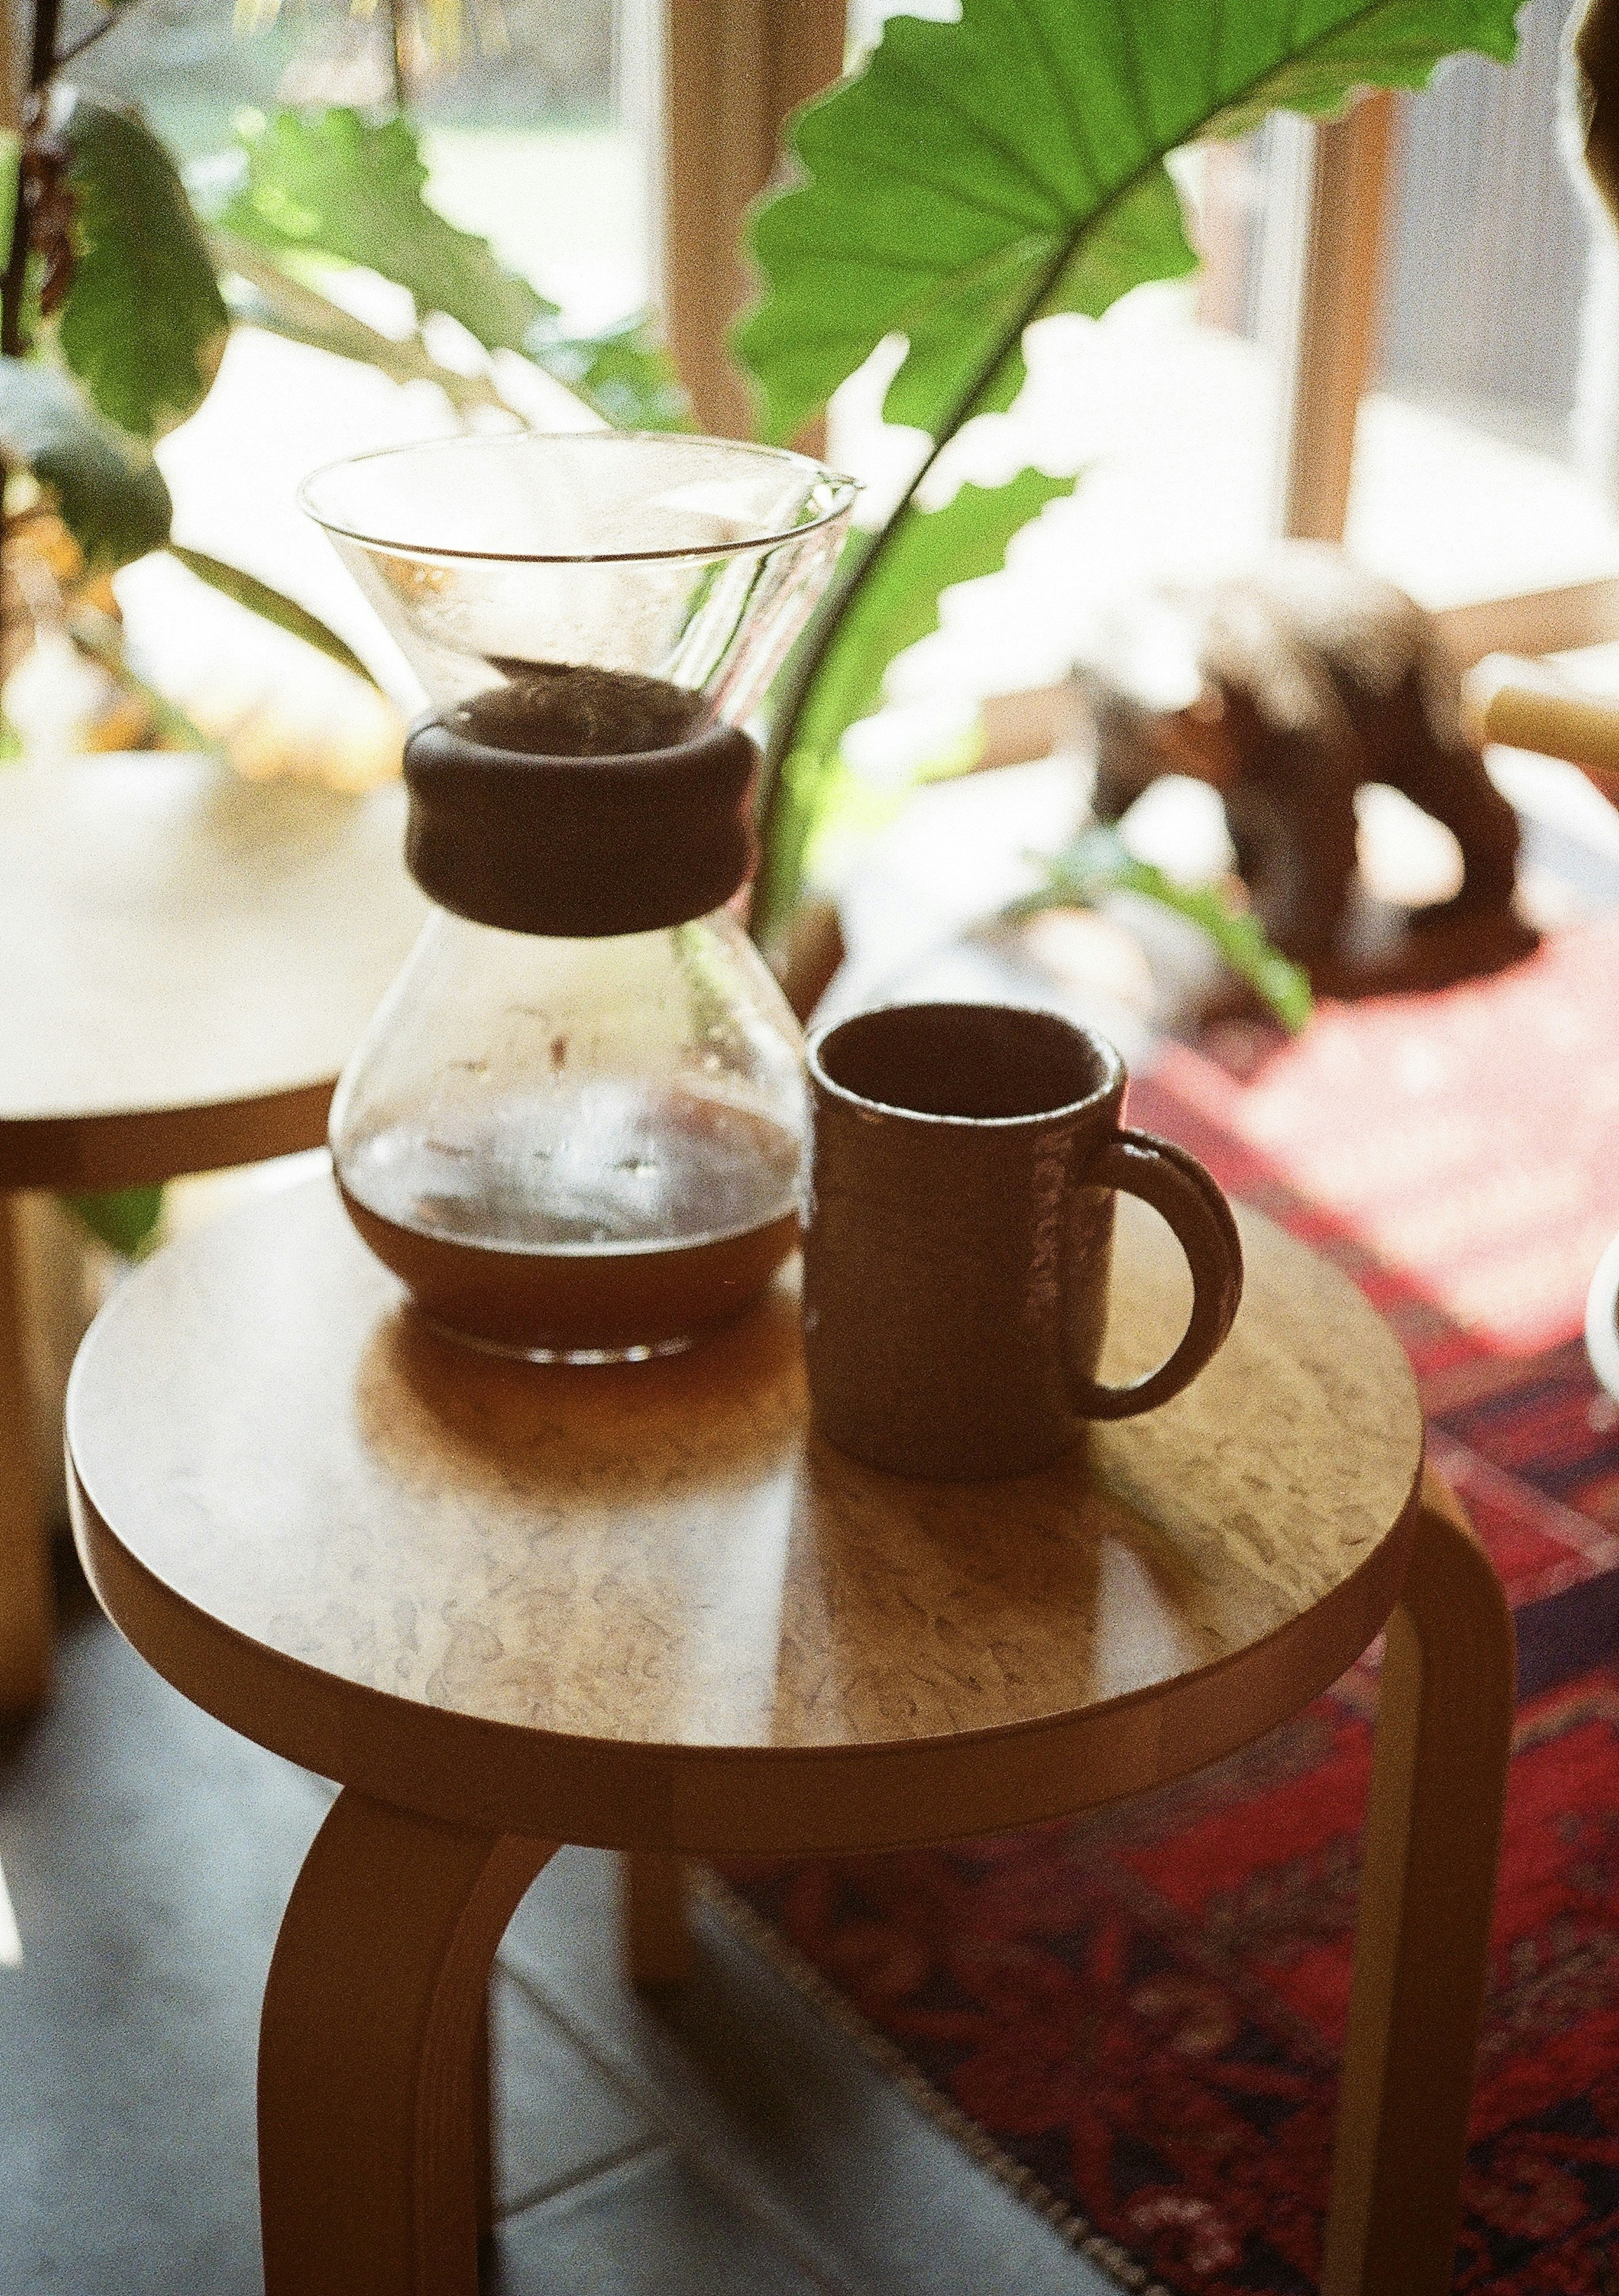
974 178
116 304
1098 862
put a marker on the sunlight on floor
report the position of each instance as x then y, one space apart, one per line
11 1942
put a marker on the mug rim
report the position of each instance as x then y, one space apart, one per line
1109 1059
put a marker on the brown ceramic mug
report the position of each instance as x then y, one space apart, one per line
960 1232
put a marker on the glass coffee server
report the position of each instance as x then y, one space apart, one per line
575 1127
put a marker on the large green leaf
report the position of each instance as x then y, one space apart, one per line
10 163
978 175
896 604
108 491
144 324
334 183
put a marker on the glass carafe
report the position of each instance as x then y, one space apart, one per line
576 1125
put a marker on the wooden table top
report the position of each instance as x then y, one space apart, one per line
639 1605
188 960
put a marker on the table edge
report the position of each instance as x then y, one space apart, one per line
738 1800
127 1148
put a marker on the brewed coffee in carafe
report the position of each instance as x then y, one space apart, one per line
575 1127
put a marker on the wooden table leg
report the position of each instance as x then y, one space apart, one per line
27 1607
483 2120
368 2050
657 1942
1433 1838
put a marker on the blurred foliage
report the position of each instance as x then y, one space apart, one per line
138 251
624 373
126 1220
924 554
103 482
331 186
258 597
128 300
334 184
979 175
1098 862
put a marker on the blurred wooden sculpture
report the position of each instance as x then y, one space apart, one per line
1286 690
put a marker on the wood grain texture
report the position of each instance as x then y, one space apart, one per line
639 1606
1422 1942
733 71
371 2051
188 958
26 1601
1338 323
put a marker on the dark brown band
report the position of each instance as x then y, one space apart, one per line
579 848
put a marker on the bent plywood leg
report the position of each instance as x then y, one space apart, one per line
27 1610
657 1942
369 2050
1432 1837
483 2116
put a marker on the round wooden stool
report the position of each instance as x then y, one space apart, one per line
510 1607
188 959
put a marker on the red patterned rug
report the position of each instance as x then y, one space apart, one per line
1136 2016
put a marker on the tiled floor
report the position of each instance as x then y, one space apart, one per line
728 2141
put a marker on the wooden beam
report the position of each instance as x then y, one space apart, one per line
1575 726
1021 727
1534 622
1224 203
1337 317
734 70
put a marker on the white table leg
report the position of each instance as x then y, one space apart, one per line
371 2048
27 1608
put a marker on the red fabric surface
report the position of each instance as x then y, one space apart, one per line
1144 2007
1469 1140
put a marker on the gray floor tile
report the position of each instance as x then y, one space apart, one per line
653 2228
747 2073
148 1853
559 2118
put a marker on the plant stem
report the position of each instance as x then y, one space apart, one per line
852 579
396 36
85 40
42 63
41 60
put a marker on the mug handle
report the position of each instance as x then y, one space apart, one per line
1177 1186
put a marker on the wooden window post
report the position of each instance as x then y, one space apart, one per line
733 70
1337 317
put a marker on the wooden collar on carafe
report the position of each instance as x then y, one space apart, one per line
578 803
